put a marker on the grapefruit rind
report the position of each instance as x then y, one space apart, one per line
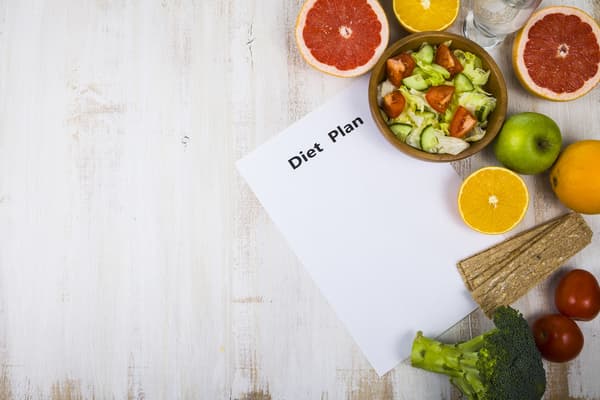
331 69
519 48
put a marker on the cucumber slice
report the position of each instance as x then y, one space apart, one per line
440 70
484 110
416 82
401 130
426 114
429 140
425 54
462 83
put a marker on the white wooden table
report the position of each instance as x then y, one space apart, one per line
134 261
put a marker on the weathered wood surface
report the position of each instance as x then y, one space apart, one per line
134 261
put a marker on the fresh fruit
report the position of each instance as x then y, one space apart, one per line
493 200
342 38
528 143
575 178
399 67
426 15
557 337
393 104
577 295
462 122
445 58
439 97
557 55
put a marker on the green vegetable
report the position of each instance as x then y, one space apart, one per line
501 364
434 141
429 140
415 100
424 55
476 134
416 82
418 114
401 130
472 67
451 145
462 83
434 74
478 103
414 138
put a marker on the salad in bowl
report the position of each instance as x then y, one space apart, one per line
438 97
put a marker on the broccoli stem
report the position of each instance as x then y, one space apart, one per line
448 359
503 363
464 387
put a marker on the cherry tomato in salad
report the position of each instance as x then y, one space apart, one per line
399 67
439 97
577 295
557 337
448 60
462 122
393 103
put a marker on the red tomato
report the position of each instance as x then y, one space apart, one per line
439 97
557 337
448 60
578 295
399 67
462 122
393 104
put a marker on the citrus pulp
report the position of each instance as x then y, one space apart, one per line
493 200
557 53
426 15
342 38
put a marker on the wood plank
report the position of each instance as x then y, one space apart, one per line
134 261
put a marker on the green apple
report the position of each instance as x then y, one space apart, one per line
528 143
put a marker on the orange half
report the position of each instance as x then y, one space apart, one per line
493 200
426 15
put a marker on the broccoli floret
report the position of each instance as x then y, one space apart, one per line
502 364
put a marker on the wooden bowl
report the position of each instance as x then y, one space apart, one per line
495 85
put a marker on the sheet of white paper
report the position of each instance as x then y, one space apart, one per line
378 231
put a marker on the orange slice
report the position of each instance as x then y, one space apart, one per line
426 15
493 200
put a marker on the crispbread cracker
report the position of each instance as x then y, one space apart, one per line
479 268
502 274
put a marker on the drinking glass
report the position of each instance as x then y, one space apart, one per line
490 21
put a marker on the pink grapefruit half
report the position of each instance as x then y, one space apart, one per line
342 38
557 53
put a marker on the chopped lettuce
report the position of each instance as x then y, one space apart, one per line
425 54
438 142
475 134
434 74
415 100
384 88
472 67
418 115
451 145
478 104
414 138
